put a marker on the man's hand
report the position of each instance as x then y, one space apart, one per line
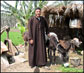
31 41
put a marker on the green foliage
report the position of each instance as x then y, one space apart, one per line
16 37
25 11
21 28
68 69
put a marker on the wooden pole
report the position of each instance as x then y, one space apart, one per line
7 30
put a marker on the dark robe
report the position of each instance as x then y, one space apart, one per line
37 51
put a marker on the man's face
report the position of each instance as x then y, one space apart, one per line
38 13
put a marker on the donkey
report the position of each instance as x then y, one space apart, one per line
53 44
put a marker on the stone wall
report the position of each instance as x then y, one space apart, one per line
8 20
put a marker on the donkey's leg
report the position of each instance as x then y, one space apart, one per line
54 55
48 52
50 56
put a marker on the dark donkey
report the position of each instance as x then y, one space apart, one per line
53 44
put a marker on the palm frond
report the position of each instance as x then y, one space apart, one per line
4 6
27 9
5 11
16 4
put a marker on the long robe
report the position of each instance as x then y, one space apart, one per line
37 51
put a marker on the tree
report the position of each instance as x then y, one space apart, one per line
25 11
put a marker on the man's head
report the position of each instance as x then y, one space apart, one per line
38 12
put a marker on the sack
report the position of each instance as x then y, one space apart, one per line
76 23
3 47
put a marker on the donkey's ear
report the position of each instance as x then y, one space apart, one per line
80 42
72 41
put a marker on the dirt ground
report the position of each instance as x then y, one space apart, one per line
24 66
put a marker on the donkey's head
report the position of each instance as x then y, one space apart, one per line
76 42
25 36
52 40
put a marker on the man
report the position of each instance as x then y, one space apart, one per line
37 26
